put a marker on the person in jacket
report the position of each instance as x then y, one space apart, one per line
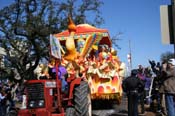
62 73
148 82
155 89
133 86
141 76
168 86
2 102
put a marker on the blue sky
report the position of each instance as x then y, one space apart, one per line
139 21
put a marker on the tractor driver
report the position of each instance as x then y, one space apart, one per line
62 73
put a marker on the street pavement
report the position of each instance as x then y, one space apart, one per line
108 109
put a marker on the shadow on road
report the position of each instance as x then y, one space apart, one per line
102 104
107 108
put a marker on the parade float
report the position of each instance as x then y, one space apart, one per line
87 53
92 71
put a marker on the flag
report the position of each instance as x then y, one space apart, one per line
55 47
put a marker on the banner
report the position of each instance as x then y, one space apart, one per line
55 47
166 20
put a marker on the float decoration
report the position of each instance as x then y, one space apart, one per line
89 52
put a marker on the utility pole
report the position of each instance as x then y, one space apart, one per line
130 53
173 16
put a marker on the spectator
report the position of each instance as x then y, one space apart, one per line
140 73
167 86
133 86
148 81
155 91
141 76
2 102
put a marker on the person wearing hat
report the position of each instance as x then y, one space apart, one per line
133 86
168 86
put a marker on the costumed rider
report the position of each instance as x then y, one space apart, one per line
133 86
62 74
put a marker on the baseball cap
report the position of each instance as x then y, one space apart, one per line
171 61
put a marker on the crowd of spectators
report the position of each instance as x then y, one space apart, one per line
9 96
159 89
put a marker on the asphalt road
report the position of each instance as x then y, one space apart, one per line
107 108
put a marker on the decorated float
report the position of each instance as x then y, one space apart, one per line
87 53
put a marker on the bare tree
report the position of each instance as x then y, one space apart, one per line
25 26
115 39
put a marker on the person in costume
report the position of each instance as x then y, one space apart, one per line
62 73
80 44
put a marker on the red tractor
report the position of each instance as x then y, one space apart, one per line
45 98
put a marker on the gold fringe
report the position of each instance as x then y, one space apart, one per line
111 96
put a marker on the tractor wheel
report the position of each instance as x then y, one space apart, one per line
82 100
70 111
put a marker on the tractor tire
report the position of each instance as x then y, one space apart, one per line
82 100
70 111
